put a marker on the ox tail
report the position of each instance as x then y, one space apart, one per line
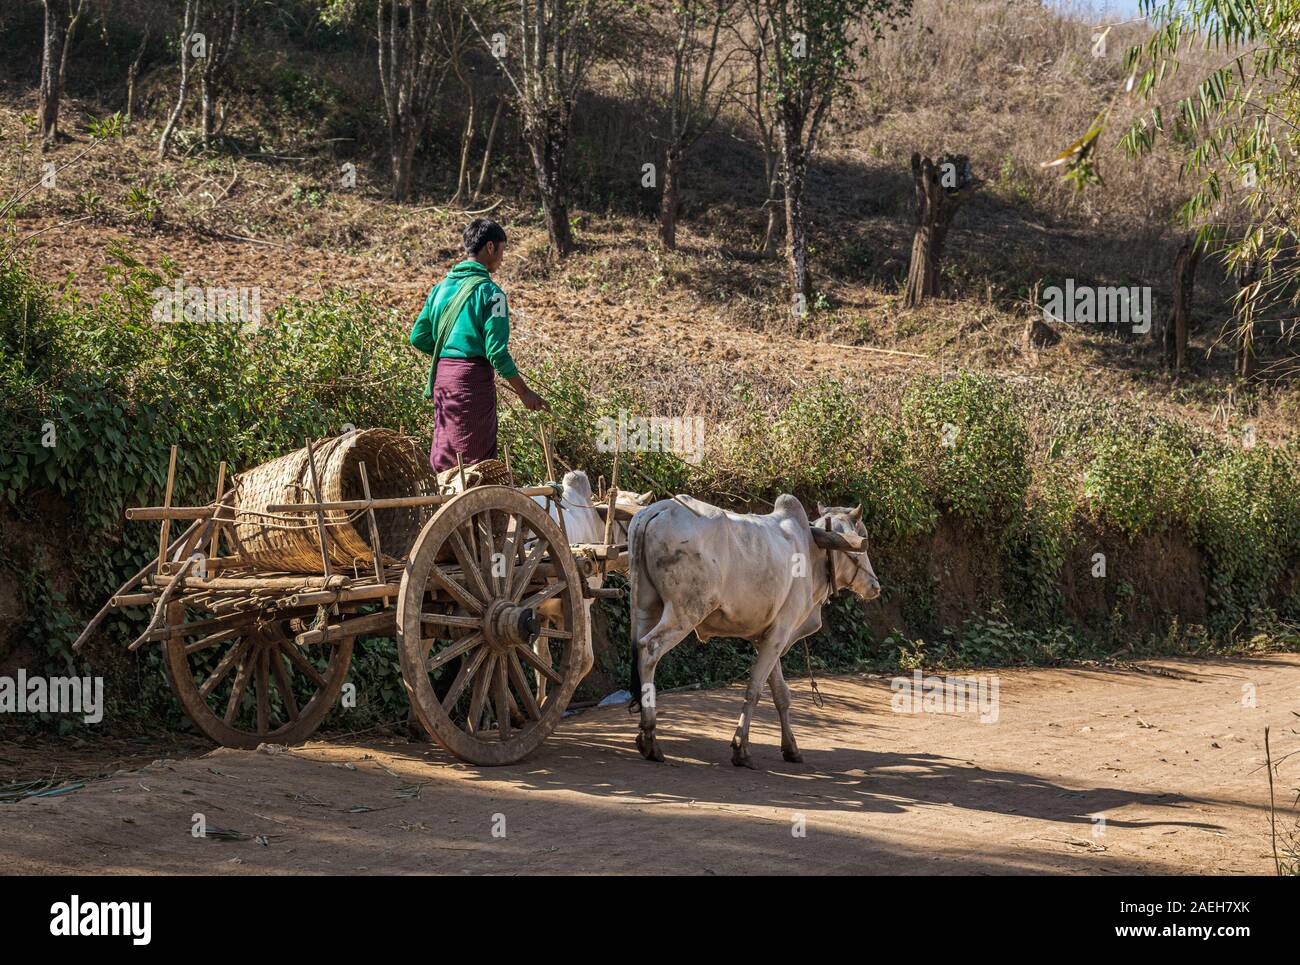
635 541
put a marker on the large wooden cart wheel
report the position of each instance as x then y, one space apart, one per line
243 681
492 628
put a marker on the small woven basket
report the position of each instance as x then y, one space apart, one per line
489 472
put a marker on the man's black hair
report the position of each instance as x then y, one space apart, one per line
480 231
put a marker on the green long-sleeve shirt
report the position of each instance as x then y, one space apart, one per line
482 329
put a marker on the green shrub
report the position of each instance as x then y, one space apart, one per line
970 444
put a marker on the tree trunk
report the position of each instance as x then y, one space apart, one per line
794 170
68 33
164 142
1173 336
483 171
466 142
670 202
51 58
1247 277
402 156
547 141
941 188
772 234
132 73
206 96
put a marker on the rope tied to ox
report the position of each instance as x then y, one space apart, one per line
812 679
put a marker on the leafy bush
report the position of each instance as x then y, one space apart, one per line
1142 483
970 441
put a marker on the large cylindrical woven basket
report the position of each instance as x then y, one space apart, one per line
395 464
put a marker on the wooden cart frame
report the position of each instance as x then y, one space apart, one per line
489 610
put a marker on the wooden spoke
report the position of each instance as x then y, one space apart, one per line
447 654
290 650
482 681
502 701
263 690
452 620
524 575
553 588
555 633
209 641
520 682
468 669
469 566
283 683
241 684
540 665
487 545
500 582
458 592
228 662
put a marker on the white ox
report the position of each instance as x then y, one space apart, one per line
760 578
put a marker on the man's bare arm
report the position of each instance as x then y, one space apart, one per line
531 400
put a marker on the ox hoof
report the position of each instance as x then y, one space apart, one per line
741 759
649 748
794 757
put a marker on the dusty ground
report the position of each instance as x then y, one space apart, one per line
1166 752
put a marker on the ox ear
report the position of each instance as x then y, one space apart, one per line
821 510
840 542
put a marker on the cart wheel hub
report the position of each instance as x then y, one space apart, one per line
506 625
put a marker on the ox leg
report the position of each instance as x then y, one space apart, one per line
650 650
549 612
781 697
769 653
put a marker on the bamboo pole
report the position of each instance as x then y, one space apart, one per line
132 599
385 502
555 497
473 537
546 453
216 528
126 587
162 606
610 510
379 624
269 584
375 548
320 513
167 502
612 501
150 513
352 594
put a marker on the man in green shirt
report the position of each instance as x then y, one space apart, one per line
465 327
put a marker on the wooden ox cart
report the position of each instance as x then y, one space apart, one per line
258 603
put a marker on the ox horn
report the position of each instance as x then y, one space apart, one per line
840 542
856 515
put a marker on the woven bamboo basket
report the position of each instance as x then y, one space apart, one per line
396 465
489 472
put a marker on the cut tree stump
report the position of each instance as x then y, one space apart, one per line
942 187
1038 334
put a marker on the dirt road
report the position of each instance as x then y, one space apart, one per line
1168 754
